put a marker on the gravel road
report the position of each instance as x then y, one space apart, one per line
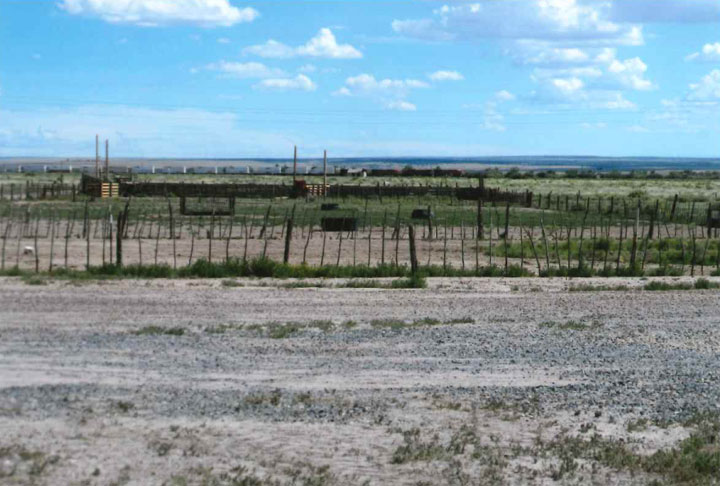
470 381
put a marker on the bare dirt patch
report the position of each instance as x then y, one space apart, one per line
470 381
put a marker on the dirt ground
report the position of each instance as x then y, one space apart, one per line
470 381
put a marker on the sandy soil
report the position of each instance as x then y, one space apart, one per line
90 395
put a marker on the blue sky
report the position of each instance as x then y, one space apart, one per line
225 78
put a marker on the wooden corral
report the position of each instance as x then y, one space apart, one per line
92 186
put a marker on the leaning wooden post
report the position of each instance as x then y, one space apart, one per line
674 206
288 236
532 245
413 253
633 251
322 255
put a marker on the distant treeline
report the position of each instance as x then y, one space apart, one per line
592 174
516 173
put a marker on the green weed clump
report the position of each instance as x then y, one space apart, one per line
159 330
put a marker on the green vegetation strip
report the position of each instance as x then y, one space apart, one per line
263 267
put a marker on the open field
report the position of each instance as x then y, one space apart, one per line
471 381
691 188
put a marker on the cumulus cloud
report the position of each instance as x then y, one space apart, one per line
709 53
367 85
323 45
551 20
245 70
299 82
630 73
390 92
594 77
708 89
665 11
446 76
152 13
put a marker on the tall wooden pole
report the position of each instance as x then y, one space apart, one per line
325 173
107 159
97 156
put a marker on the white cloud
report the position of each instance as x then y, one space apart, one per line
446 76
401 106
245 70
551 20
709 53
223 40
390 92
367 85
630 73
598 82
547 54
307 68
558 55
665 11
299 82
152 13
708 89
323 45
567 86
638 129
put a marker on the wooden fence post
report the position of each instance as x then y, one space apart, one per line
288 236
413 254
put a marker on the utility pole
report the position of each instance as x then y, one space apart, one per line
325 173
107 159
97 156
295 164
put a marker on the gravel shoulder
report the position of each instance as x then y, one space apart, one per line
470 381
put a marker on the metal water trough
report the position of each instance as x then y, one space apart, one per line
339 224
422 214
329 206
